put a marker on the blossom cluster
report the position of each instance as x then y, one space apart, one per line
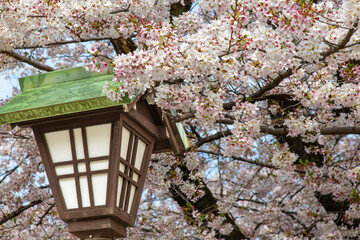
267 91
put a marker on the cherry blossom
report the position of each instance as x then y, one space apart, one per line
266 90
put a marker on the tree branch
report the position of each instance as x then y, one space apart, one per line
193 130
122 45
64 43
267 130
205 205
323 131
45 213
241 159
184 116
120 10
116 46
8 173
213 137
261 164
281 96
33 63
7 135
274 83
342 43
19 211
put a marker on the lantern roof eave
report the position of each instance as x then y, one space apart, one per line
58 93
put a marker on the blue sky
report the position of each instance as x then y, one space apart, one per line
6 85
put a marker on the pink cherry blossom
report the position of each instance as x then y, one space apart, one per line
266 90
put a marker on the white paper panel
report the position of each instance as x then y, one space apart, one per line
63 170
125 137
84 190
140 154
120 183
99 185
59 145
99 165
131 198
122 167
98 140
135 177
68 189
81 167
79 146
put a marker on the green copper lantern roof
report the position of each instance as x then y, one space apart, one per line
58 93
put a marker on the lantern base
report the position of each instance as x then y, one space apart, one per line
97 228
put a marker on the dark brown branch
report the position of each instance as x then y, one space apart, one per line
45 213
274 83
116 46
230 105
324 131
7 135
282 96
273 131
36 16
19 211
24 59
268 130
251 200
120 10
261 164
64 43
340 130
126 45
254 162
176 9
225 121
241 159
213 137
343 42
174 81
184 116
281 131
353 44
8 173
122 45
259 94
205 205
333 23
193 130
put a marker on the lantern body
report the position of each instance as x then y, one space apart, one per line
96 165
95 152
